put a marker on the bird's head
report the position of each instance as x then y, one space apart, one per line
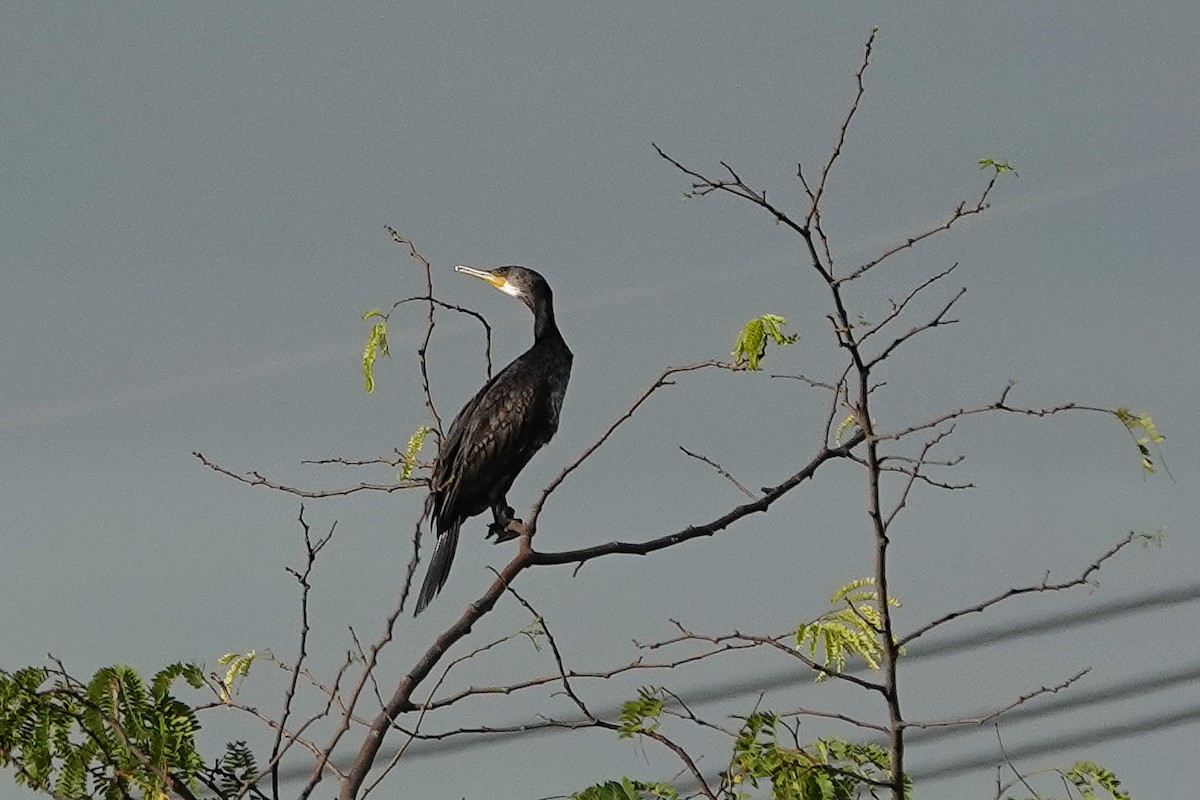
519 282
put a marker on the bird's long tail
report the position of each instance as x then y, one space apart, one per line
439 566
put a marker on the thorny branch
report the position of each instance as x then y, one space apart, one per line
487 328
258 479
311 549
776 642
913 474
769 496
425 707
1044 586
401 700
813 217
661 381
898 308
961 212
724 473
429 324
999 405
988 716
940 319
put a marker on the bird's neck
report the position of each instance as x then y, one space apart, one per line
544 328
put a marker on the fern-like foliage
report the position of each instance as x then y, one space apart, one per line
235 770
113 737
1000 167
828 769
644 714
1087 777
237 667
377 344
628 789
751 345
852 629
1145 436
843 426
415 443
1083 780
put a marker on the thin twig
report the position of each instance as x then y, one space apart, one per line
429 325
938 320
658 383
311 549
897 308
769 496
961 212
258 479
724 473
814 213
988 716
1044 586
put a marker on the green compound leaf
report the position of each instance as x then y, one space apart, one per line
236 769
827 769
852 630
845 425
1001 167
1088 776
644 714
1145 435
237 666
415 442
115 736
628 789
1085 780
376 345
751 345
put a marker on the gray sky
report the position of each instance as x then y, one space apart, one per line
193 213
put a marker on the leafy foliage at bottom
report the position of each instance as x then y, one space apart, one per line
114 737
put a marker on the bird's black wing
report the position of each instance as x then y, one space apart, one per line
488 444
503 426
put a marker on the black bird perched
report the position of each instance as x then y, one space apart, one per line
498 431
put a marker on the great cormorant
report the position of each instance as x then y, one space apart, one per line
498 431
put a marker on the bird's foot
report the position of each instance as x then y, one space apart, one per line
510 530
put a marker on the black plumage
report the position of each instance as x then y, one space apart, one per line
498 431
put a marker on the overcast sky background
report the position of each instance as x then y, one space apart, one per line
193 212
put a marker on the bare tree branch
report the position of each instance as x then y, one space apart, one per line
311 549
658 383
940 319
988 716
961 212
1044 586
429 325
258 479
724 473
813 217
770 495
897 308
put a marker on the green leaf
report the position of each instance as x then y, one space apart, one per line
845 425
644 714
376 345
628 789
415 442
853 629
114 736
1000 166
751 345
237 667
1145 436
